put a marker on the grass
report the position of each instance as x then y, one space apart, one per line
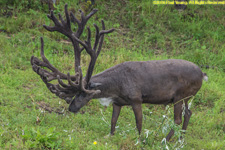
33 118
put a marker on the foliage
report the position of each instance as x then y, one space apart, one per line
23 4
33 118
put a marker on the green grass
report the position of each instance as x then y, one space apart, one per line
143 32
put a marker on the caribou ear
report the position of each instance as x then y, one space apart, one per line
94 85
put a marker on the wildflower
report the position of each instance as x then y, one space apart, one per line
95 142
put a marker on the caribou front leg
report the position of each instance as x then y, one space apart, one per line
115 115
137 108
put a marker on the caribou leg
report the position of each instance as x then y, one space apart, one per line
177 118
187 117
137 108
115 115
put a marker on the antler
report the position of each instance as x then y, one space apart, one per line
64 27
94 52
64 91
76 83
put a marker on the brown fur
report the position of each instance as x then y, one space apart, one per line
154 82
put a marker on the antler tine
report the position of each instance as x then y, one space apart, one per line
81 78
62 83
103 24
63 27
82 83
82 16
106 31
70 81
80 86
103 29
91 13
81 42
65 92
96 36
88 42
101 39
53 18
67 17
101 34
43 73
61 18
81 23
61 92
45 59
59 88
74 19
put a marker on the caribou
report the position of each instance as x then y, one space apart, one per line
129 83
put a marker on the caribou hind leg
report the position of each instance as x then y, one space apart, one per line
187 116
177 118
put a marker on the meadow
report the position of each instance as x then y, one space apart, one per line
31 117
